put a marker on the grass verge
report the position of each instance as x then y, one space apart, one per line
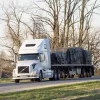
83 91
6 80
9 80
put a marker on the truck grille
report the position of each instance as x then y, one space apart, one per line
23 69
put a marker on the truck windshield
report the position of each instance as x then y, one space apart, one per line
22 57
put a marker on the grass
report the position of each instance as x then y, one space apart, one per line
9 80
6 80
83 91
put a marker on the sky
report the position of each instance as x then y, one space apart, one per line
95 18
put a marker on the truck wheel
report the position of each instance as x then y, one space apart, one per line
58 75
83 73
79 75
69 76
55 75
40 76
31 80
86 74
72 75
17 80
82 76
90 73
50 79
65 76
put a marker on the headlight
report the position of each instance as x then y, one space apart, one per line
35 71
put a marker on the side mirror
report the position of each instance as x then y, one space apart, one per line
42 57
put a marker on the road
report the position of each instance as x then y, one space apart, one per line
13 87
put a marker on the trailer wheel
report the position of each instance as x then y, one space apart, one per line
65 76
90 73
68 76
82 76
83 73
17 80
72 76
79 75
87 75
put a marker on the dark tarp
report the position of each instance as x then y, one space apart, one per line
74 55
88 57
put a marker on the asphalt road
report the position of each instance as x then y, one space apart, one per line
13 87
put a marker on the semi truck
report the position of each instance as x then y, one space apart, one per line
36 62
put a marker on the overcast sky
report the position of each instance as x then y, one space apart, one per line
95 19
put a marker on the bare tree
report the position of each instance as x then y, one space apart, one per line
5 63
55 10
36 28
69 23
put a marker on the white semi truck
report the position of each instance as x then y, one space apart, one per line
34 63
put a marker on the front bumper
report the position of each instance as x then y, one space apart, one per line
25 77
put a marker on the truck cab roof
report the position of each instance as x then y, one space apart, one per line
34 46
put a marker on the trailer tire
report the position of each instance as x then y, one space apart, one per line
68 75
17 80
79 75
65 76
72 75
90 73
87 75
82 76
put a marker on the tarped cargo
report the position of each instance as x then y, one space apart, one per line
53 58
71 56
75 56
88 57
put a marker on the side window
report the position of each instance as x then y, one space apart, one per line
42 57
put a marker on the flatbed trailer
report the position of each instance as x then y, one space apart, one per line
70 70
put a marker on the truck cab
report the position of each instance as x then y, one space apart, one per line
33 61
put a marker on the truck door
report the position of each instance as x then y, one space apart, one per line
44 65
43 60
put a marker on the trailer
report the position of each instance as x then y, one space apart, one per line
37 62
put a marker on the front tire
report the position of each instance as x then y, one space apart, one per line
32 80
17 80
40 76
